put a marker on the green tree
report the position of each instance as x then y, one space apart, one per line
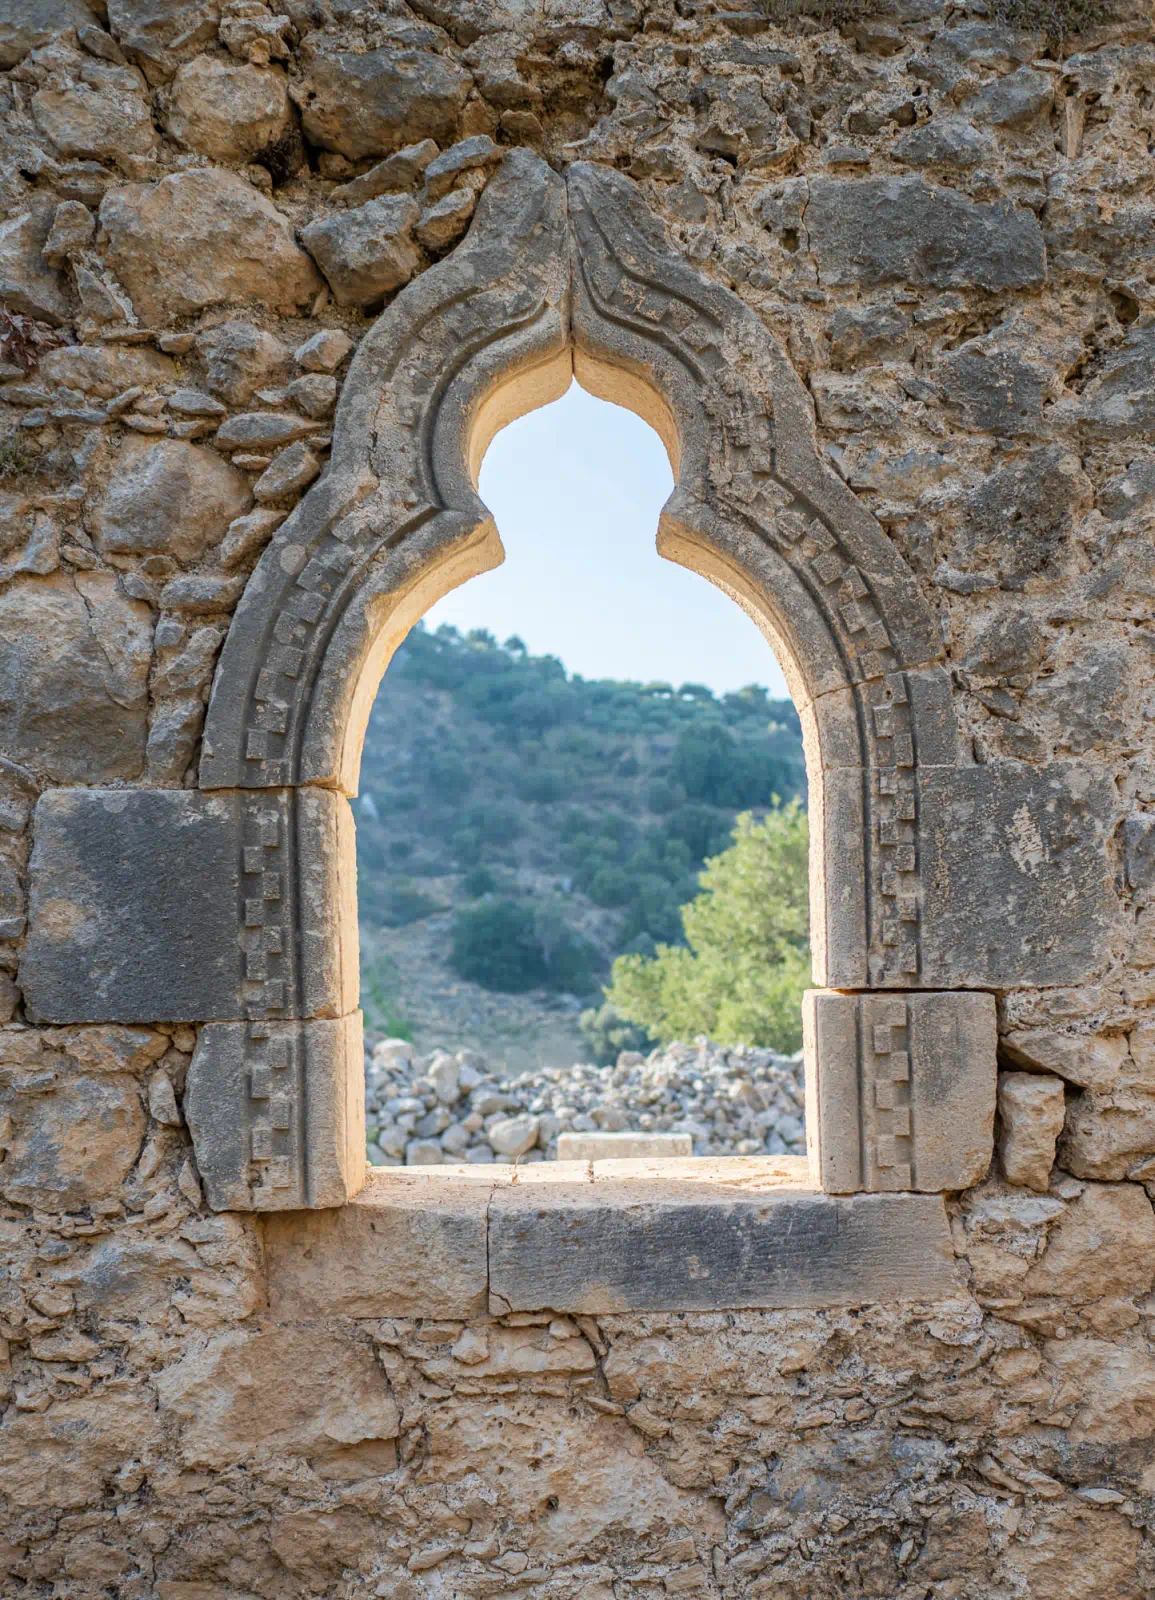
741 979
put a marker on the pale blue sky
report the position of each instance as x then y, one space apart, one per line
576 489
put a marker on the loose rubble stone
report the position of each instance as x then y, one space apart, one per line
401 170
325 351
446 221
27 24
240 359
725 1102
27 283
887 230
73 227
103 118
946 142
1031 1111
367 252
227 110
106 370
169 496
230 1401
372 104
200 239
291 472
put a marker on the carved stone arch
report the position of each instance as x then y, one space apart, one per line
232 905
490 334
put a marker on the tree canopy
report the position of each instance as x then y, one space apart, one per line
741 978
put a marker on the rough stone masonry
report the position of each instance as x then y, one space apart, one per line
944 216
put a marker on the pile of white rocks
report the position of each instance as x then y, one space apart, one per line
442 1107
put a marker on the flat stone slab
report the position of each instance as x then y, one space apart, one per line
647 1245
412 1244
622 1146
454 1242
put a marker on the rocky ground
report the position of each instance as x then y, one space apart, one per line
439 1107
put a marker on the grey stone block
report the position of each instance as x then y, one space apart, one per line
884 230
618 1246
900 1090
277 1113
1016 885
409 1245
148 904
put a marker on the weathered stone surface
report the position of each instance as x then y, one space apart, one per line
946 141
478 154
74 659
1031 1111
886 230
1092 1061
402 170
372 104
277 1113
900 1090
1031 842
106 370
444 222
137 899
240 359
263 430
325 351
407 1246
291 472
227 110
647 1247
1021 517
1103 1246
26 24
1109 1135
367 252
622 1146
1014 101
27 283
102 118
73 1137
1119 401
159 33
285 1391
169 496
203 238
62 1455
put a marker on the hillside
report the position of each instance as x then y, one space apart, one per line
518 827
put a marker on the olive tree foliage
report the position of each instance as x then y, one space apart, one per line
740 980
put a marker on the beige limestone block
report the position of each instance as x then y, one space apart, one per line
200 239
72 1140
169 496
1031 1111
98 121
1102 1246
106 370
406 1246
1108 1135
73 676
622 1146
298 1391
28 285
1078 1551
62 1456
1112 1385
228 110
1092 1061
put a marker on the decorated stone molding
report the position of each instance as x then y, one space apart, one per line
931 876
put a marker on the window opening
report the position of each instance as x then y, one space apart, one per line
553 754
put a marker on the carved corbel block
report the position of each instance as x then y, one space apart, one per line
900 1090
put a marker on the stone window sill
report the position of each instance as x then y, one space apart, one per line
603 1237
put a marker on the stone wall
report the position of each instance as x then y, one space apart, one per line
946 221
